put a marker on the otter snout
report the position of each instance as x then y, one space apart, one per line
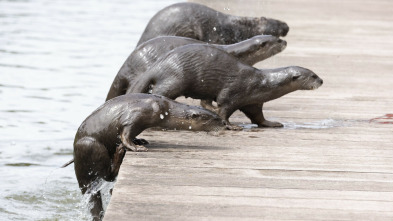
304 79
284 29
216 124
269 41
317 79
282 43
317 83
276 28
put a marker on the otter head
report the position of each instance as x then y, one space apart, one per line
303 79
199 119
274 27
280 81
174 115
265 46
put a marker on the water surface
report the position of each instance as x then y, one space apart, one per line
57 61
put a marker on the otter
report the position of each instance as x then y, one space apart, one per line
103 138
249 51
205 72
206 24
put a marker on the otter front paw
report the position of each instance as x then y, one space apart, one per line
267 123
140 148
233 127
207 104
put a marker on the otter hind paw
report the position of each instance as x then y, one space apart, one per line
140 141
137 148
267 123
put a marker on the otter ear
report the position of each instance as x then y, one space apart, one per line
295 77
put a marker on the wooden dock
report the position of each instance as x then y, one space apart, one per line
332 161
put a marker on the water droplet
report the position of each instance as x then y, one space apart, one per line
202 80
161 116
189 127
166 113
214 29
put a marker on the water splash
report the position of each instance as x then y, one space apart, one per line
322 124
248 126
104 188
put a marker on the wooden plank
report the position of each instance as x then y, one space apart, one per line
332 161
183 211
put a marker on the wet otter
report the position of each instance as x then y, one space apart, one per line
249 51
103 138
205 72
203 23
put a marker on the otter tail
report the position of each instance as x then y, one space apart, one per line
68 163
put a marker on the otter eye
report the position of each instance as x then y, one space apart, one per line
314 76
263 44
193 116
295 77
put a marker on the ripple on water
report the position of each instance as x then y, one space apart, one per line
17 111
67 152
39 97
21 164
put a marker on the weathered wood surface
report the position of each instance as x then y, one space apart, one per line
330 162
